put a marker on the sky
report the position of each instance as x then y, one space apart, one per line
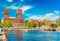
32 9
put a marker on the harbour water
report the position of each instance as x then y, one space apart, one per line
34 35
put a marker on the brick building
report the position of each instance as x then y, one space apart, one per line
36 22
46 22
19 21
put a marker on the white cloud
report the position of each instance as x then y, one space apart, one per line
24 8
54 18
12 7
21 0
57 17
12 17
56 12
34 17
48 16
27 14
9 0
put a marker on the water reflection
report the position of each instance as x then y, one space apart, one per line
19 35
16 35
35 35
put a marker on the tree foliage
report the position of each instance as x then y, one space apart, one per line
53 25
7 23
41 24
2 24
58 22
29 24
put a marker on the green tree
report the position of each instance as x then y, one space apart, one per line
53 25
29 24
41 24
8 23
2 25
58 22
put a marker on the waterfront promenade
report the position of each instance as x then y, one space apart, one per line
3 36
27 29
37 28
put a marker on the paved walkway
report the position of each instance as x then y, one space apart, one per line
3 36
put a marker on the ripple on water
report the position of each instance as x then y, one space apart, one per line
36 36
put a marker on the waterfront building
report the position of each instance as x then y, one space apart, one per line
19 21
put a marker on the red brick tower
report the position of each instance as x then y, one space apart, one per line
19 15
19 21
5 13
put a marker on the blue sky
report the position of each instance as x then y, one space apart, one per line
32 9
